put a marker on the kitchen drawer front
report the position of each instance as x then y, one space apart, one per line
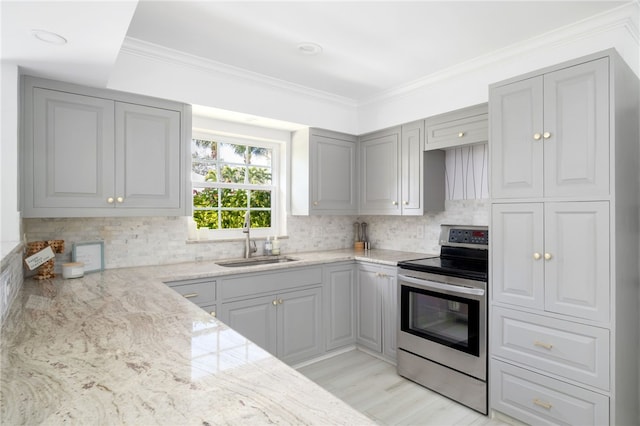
575 351
462 131
540 400
200 292
250 284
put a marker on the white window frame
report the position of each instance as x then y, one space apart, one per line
277 184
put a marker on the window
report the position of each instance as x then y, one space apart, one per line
231 176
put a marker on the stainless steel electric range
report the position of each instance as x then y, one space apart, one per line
442 327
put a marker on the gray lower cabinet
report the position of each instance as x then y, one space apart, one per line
90 152
201 292
288 325
340 313
377 309
280 311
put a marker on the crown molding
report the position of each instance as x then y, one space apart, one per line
621 17
141 48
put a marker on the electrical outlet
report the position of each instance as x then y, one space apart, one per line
420 231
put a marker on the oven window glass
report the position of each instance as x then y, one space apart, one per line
452 321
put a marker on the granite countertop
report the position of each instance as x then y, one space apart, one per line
120 347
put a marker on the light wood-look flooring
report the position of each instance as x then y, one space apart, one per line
373 387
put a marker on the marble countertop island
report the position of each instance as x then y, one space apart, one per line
120 347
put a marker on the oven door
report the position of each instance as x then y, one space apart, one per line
444 319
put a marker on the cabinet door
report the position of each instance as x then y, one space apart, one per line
577 259
380 174
576 126
340 307
73 151
390 312
147 157
516 140
255 319
369 309
333 174
517 265
300 325
412 163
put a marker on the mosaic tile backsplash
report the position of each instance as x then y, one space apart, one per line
162 240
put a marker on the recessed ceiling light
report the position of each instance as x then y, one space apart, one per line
49 37
310 49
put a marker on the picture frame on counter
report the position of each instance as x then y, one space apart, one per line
91 254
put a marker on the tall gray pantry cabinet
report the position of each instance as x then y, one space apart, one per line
564 251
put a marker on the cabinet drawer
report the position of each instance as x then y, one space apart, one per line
200 292
575 351
540 400
250 284
471 129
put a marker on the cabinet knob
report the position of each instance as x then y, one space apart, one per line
406 203
315 203
546 135
110 200
395 203
461 134
212 313
275 302
537 136
280 302
547 256
537 256
120 199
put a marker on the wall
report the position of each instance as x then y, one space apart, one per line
9 215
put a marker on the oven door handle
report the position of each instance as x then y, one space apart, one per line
438 286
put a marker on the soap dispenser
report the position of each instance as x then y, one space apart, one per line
275 250
268 247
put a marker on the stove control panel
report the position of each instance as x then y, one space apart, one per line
464 236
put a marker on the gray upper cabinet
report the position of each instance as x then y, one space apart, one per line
147 157
91 152
550 134
323 173
397 177
380 172
465 126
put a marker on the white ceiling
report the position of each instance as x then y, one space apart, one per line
368 47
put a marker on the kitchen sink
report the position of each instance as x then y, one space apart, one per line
254 261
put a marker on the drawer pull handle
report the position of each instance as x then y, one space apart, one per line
190 295
542 404
548 346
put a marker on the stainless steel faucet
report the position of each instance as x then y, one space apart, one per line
245 229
